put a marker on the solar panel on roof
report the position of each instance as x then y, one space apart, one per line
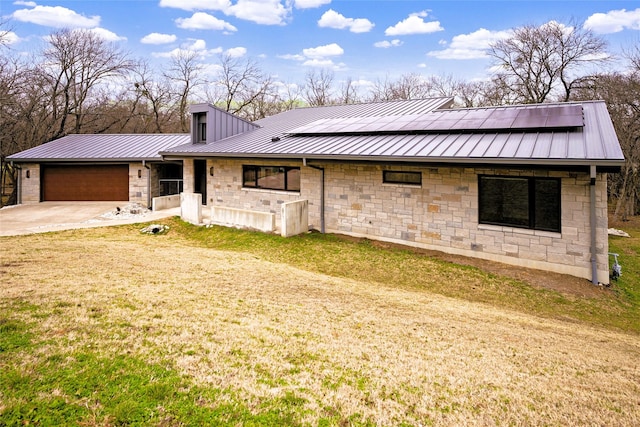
494 119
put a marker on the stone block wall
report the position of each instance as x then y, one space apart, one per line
30 187
224 188
440 214
138 192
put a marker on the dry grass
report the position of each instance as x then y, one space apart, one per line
351 351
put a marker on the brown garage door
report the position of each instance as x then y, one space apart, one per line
85 183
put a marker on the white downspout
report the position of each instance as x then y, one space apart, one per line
593 222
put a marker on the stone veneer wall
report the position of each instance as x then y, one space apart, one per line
138 186
224 188
30 187
441 214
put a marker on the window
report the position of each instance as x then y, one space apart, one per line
396 177
271 177
520 202
200 127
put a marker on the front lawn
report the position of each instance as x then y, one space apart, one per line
215 326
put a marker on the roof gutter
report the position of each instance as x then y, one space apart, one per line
604 163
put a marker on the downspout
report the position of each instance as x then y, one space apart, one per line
304 162
593 221
144 163
19 183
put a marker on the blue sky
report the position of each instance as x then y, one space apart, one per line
360 39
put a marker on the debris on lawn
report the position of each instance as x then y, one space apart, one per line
131 210
155 229
616 232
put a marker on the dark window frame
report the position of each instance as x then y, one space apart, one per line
389 180
533 198
255 169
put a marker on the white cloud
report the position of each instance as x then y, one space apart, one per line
414 24
8 38
236 52
332 19
158 38
308 4
196 4
55 16
266 12
319 57
470 46
319 52
204 21
107 35
387 44
198 46
291 57
25 3
325 63
613 21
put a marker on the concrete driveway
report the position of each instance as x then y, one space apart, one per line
55 216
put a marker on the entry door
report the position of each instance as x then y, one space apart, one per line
200 177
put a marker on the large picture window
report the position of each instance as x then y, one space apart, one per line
524 202
271 177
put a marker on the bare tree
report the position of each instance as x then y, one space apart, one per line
152 100
538 62
318 88
348 92
621 92
185 75
244 89
76 62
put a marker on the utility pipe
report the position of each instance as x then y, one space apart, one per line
304 162
593 221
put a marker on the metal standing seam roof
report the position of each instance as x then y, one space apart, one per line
575 133
102 148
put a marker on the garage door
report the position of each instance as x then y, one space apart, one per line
85 183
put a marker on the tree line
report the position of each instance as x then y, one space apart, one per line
80 83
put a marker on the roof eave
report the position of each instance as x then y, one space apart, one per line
83 160
608 163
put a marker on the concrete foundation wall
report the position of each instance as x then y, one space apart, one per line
295 218
225 189
242 218
165 202
191 207
440 214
